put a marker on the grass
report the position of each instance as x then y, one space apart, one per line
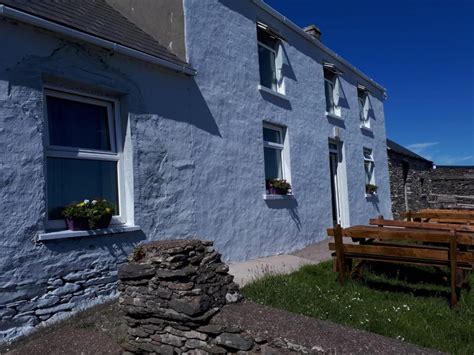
402 302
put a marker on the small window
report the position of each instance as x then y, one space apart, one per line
275 153
268 57
369 167
363 98
332 92
82 153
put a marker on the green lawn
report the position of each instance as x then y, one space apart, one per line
406 303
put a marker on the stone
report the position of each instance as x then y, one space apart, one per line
212 329
56 309
216 349
191 306
7 312
175 274
169 339
234 341
233 297
47 301
190 334
55 282
196 344
67 288
136 271
181 286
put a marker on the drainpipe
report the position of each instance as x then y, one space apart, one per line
36 21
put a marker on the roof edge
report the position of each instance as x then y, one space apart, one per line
270 10
14 14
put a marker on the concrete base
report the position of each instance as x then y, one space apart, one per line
251 270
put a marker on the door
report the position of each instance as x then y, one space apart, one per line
334 158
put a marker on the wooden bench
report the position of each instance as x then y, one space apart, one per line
440 216
404 246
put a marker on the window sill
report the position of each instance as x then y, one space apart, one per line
334 116
369 196
272 92
367 129
270 197
68 234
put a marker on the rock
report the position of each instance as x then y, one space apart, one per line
7 312
196 344
233 297
67 288
55 282
47 301
52 310
212 329
169 339
175 274
215 349
191 306
181 286
136 271
234 342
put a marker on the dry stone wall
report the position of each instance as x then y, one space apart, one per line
170 292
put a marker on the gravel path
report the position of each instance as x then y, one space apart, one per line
100 330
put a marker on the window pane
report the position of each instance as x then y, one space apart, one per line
329 90
369 171
265 38
77 124
368 154
271 135
272 163
74 180
266 60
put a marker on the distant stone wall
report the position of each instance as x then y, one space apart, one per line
452 187
410 183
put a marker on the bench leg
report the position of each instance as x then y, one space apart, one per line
356 273
453 269
341 265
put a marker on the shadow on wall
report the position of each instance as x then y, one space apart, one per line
276 100
290 205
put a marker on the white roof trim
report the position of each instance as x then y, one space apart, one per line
316 42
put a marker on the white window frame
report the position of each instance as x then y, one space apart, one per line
115 154
335 92
364 108
280 83
283 148
369 160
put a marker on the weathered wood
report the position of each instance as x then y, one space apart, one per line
340 253
435 236
399 251
453 258
441 214
420 225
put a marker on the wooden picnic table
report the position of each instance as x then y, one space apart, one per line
399 244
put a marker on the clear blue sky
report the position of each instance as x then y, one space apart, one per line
422 51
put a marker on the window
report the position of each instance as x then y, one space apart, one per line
275 152
269 58
369 167
83 153
363 98
332 91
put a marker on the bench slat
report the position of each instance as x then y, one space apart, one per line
420 225
402 253
435 236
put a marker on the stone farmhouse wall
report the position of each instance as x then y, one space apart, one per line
192 155
452 186
410 183
415 185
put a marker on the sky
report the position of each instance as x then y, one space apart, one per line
421 51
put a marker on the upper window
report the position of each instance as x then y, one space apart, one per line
369 167
332 92
275 153
363 98
269 58
82 153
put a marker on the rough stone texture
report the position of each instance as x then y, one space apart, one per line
452 187
181 322
185 141
410 183
415 185
228 76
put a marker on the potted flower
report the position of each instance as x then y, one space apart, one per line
370 189
87 215
278 187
